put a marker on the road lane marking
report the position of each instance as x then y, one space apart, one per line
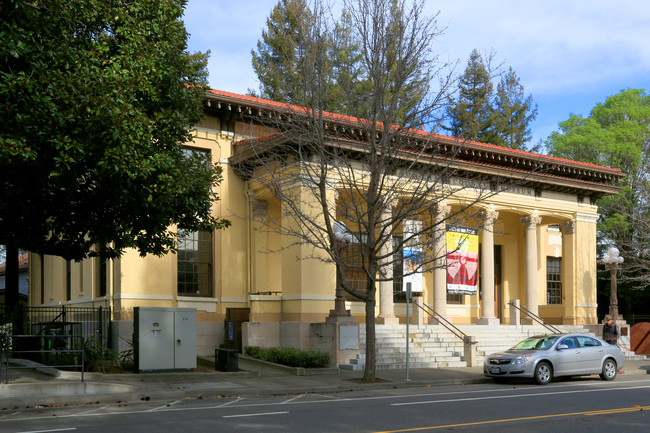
496 397
47 431
164 406
254 414
11 417
527 418
292 399
231 402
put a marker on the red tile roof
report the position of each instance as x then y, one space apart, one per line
23 263
440 137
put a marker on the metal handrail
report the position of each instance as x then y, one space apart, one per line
444 322
8 350
536 318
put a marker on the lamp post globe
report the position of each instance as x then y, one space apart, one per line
613 262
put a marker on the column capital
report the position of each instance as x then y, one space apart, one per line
259 208
442 209
531 221
489 215
569 227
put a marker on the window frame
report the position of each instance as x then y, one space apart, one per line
553 280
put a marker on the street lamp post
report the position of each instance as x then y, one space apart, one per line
613 262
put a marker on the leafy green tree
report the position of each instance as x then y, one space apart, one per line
470 115
513 113
97 98
617 134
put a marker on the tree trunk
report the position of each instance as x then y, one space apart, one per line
11 277
369 372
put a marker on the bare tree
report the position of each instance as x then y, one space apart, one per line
375 170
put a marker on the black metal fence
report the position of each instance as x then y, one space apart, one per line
89 323
633 319
59 351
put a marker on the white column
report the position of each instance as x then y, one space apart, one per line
487 269
569 273
532 303
386 304
440 271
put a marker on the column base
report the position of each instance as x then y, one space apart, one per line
340 319
384 320
490 321
527 321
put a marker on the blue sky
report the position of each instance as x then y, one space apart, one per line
569 54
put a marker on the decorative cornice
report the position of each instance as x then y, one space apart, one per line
526 168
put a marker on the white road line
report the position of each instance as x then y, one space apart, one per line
164 407
45 431
331 397
231 402
517 395
254 414
429 395
292 399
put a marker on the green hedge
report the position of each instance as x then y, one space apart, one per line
290 356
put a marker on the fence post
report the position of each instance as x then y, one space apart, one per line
101 325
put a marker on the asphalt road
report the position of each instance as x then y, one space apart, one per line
581 405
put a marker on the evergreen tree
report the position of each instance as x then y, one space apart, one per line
281 53
470 116
513 113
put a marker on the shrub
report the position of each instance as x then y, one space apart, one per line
289 356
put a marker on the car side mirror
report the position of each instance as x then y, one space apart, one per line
562 346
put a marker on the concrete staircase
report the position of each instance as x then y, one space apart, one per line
433 346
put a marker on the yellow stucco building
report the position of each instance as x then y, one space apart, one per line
538 245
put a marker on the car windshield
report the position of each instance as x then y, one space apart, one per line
536 343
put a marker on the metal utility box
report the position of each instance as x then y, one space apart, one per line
164 338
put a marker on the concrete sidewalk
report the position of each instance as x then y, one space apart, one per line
31 387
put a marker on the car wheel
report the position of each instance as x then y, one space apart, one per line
609 370
543 373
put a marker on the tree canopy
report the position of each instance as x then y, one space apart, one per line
470 116
477 113
513 113
291 56
98 97
616 133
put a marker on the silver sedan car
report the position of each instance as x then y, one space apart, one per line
545 357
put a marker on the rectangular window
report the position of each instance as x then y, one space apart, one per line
553 280
194 263
399 296
355 275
